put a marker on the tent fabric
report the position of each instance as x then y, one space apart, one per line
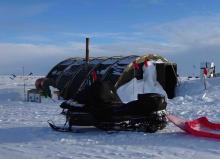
73 74
129 70
60 67
149 84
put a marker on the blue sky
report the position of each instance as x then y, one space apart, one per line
37 34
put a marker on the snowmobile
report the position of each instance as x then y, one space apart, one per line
98 105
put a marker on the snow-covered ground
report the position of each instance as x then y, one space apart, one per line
24 132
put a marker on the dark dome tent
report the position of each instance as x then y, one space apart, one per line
107 69
73 74
58 69
42 84
105 66
116 69
72 70
68 73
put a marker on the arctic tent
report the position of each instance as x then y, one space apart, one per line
74 74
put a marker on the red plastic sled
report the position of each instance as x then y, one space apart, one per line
198 127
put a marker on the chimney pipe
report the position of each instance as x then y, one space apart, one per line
87 50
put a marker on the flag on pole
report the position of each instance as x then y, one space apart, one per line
205 71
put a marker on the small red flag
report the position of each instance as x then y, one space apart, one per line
94 75
146 62
135 65
205 71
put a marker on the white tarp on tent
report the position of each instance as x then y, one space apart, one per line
149 84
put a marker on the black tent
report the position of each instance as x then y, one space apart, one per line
74 74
